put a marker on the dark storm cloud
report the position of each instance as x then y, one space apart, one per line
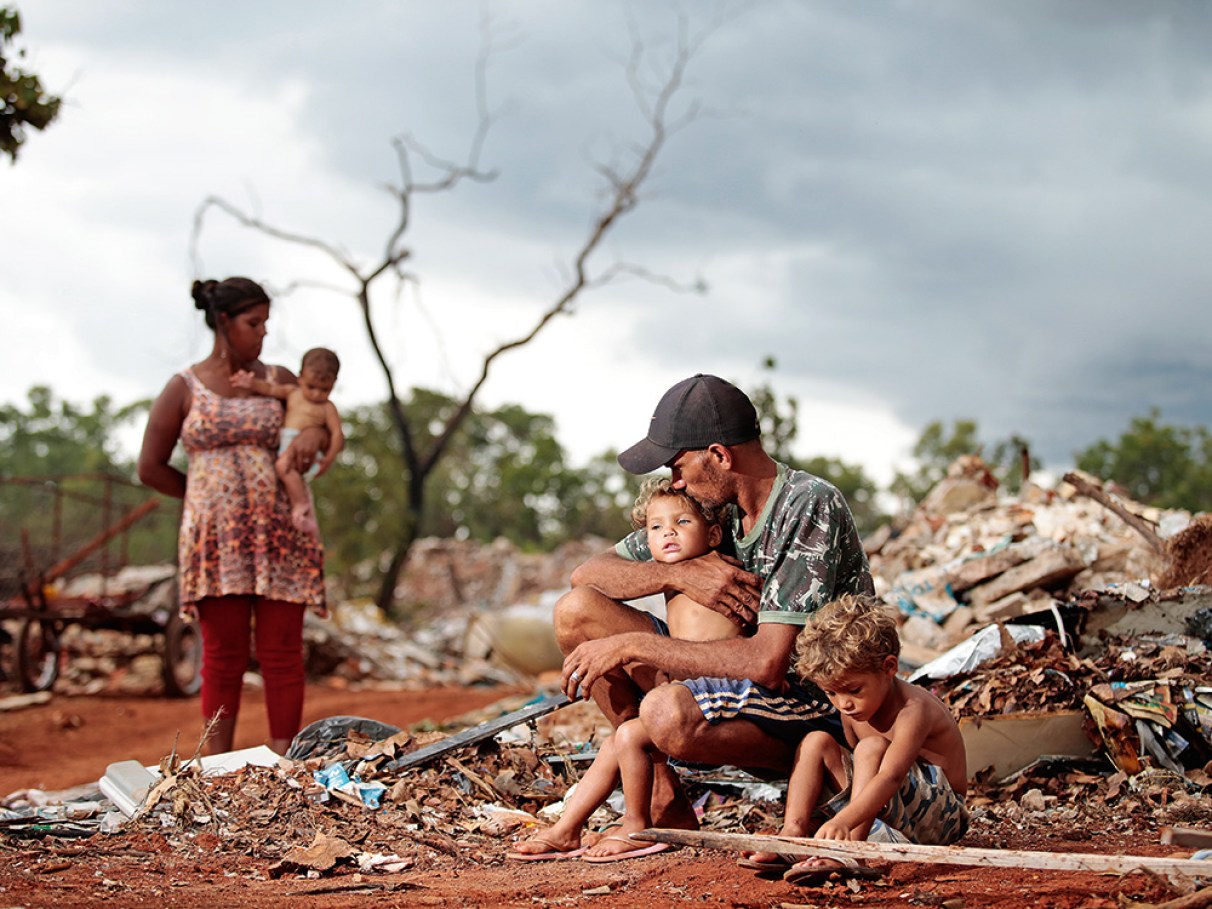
987 211
1000 213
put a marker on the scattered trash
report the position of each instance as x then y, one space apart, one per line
1084 691
335 779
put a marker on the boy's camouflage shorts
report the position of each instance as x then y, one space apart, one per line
925 810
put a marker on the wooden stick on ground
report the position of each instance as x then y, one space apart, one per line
1171 868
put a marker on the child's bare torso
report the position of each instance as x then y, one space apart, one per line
943 745
302 413
691 621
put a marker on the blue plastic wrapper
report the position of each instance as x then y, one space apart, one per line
332 777
336 777
370 793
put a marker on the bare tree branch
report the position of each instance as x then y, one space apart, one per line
622 182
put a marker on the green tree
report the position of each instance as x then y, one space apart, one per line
861 492
779 418
1158 464
934 451
23 100
596 499
56 437
1013 462
1009 459
501 478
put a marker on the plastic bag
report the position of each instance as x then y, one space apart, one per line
326 738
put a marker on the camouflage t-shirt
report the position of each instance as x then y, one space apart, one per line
804 546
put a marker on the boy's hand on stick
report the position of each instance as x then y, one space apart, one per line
832 830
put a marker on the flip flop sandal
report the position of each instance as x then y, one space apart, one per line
776 866
637 852
593 837
552 855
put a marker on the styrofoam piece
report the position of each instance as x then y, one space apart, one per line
126 784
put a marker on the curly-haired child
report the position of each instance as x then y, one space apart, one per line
678 528
906 773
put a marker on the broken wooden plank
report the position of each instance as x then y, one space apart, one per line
475 734
935 855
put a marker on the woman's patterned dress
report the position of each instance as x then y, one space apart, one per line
236 536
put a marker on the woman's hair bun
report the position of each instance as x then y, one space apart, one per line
228 297
201 292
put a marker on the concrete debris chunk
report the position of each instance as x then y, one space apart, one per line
1000 555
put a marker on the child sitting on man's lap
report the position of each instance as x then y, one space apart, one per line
678 527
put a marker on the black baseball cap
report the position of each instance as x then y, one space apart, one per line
695 413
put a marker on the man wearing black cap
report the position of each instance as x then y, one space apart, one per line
790 546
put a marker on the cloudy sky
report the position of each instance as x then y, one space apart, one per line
922 210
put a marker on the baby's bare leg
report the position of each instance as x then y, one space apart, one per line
591 792
301 514
636 757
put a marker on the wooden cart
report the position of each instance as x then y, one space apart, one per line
66 545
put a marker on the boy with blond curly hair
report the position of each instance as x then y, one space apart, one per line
905 774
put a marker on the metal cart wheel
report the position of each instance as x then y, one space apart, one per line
37 656
182 658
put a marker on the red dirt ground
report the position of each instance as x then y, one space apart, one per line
71 740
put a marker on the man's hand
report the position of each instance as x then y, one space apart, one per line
592 660
720 583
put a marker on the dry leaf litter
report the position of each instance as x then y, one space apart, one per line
965 559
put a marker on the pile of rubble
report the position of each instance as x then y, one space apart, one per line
339 809
969 557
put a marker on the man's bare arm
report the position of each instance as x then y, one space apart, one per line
764 658
710 580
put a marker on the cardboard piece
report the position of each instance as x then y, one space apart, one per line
1010 742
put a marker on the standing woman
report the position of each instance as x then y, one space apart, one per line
241 561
